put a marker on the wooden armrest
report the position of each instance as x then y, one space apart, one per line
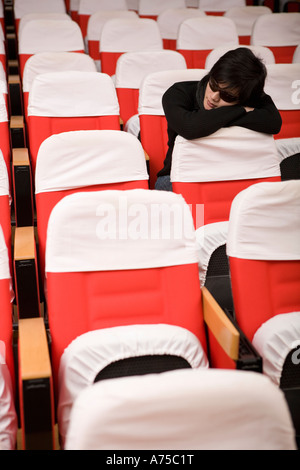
220 325
20 156
26 273
36 389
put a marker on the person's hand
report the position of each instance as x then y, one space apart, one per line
247 108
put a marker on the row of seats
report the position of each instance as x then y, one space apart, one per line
111 290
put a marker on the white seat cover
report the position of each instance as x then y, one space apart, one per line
52 95
44 62
98 19
274 339
245 17
8 416
158 228
273 231
209 238
281 29
155 7
288 147
282 85
216 5
91 352
22 7
170 20
262 52
222 158
183 409
85 158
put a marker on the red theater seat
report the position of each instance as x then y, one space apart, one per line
88 7
210 171
152 9
198 36
22 8
244 18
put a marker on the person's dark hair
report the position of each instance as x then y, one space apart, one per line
242 71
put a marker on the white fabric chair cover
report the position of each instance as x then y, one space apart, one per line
42 16
133 67
244 17
207 32
296 56
22 7
8 416
98 19
3 107
88 7
91 94
4 260
155 84
91 352
61 36
232 153
262 52
216 5
134 34
169 20
209 237
183 409
282 85
156 227
155 7
273 341
288 147
44 62
274 231
85 158
282 29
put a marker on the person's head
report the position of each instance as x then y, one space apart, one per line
238 77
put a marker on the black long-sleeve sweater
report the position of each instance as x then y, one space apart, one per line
186 115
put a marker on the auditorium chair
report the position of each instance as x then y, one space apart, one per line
94 29
8 415
71 100
5 142
210 171
169 21
198 36
84 160
264 257
62 36
41 16
217 7
121 35
183 410
152 9
281 85
244 18
22 8
289 153
151 114
5 206
262 52
88 7
110 353
132 68
45 62
280 32
291 6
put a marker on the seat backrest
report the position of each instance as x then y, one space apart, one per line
183 409
121 35
289 154
215 7
22 8
244 18
5 144
88 7
71 100
41 16
198 36
210 171
45 62
152 239
62 36
94 29
296 56
77 160
280 32
169 22
264 252
152 9
122 351
262 52
152 117
133 67
282 85
8 421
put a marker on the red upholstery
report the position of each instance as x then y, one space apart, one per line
283 54
216 197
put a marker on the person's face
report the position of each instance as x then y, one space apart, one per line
215 97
